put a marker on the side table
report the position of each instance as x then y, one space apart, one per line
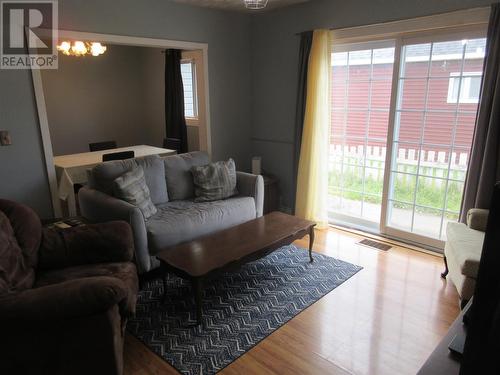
271 193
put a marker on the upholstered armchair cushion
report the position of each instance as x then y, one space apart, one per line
93 243
477 218
70 299
20 233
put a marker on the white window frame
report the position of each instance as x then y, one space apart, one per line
464 96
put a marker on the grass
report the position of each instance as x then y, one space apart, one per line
430 192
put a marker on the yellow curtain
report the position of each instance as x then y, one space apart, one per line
312 178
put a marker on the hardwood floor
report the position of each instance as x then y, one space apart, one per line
384 320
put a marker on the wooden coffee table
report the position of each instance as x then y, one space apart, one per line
208 256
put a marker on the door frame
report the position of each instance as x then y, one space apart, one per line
117 40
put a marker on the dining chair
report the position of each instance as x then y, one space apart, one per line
100 146
118 155
172 144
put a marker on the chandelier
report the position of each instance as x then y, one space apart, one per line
79 48
255 4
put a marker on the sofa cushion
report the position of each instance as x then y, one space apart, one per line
103 175
178 173
181 221
132 188
214 181
464 246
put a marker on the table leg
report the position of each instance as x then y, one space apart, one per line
164 281
311 242
198 289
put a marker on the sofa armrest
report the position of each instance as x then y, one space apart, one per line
66 300
251 185
477 218
93 243
100 207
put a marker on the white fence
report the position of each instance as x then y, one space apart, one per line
432 163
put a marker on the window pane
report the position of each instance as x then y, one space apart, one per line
377 126
356 124
454 196
360 65
403 187
187 70
434 161
446 58
438 128
430 192
474 55
416 60
406 157
408 126
427 222
358 94
400 215
337 127
413 94
383 60
465 129
381 94
437 95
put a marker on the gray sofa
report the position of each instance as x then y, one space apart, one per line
179 218
462 251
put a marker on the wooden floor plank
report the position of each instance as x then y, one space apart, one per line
384 320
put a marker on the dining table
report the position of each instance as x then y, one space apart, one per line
72 169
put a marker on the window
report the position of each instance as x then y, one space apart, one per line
188 73
402 120
469 85
433 131
360 95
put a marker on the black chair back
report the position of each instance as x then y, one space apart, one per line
172 144
118 155
100 146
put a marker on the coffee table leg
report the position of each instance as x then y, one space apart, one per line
311 242
164 281
197 289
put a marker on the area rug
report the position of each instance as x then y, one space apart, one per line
240 308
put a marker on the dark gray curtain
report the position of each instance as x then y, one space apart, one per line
174 100
484 164
304 51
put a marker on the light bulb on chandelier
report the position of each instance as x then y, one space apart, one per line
79 48
255 4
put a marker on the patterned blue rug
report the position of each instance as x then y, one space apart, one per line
240 308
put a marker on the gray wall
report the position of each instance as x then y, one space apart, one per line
116 96
22 170
275 58
252 72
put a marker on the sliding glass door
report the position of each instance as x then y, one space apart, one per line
403 115
361 79
437 99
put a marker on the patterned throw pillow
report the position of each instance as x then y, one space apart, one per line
214 181
131 187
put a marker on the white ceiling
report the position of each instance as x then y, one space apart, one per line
238 5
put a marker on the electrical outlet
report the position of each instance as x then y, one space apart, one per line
5 139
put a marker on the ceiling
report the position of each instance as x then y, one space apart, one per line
237 5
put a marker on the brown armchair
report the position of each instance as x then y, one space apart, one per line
65 296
